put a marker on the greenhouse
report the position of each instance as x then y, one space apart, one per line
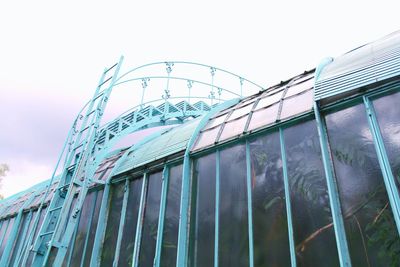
220 171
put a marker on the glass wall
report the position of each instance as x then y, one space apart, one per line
371 233
202 222
233 245
388 115
315 243
131 218
270 228
150 221
171 220
114 214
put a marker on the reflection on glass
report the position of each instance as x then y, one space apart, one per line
233 246
270 234
371 233
110 239
388 115
150 223
171 222
93 228
83 225
6 235
263 117
314 236
206 138
203 213
129 233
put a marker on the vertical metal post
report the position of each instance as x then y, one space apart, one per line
287 200
101 225
337 216
72 247
5 230
161 217
121 222
384 163
217 187
249 204
139 226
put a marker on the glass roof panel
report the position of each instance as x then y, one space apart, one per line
297 104
300 87
269 100
240 112
233 128
216 121
263 117
206 138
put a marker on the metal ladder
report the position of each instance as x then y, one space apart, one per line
57 228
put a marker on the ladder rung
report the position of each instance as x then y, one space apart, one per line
47 233
78 146
97 96
79 183
54 209
63 186
84 129
104 82
113 66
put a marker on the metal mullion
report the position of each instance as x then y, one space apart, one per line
337 216
88 230
217 198
161 218
384 163
121 222
249 204
101 225
24 232
287 200
5 230
139 226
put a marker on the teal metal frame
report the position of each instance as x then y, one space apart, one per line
249 204
161 217
287 200
337 216
217 201
139 226
384 163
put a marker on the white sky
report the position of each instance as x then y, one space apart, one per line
51 55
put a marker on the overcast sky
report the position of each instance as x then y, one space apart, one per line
52 53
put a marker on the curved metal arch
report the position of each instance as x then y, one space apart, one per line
189 63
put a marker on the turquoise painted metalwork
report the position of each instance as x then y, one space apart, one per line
217 200
337 216
186 177
387 174
321 66
287 200
249 204
121 222
24 233
139 226
161 217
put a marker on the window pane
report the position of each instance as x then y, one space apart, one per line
263 117
203 212
297 104
371 233
93 228
171 222
270 234
150 223
83 226
233 128
233 246
129 233
311 215
206 138
110 239
388 115
6 235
